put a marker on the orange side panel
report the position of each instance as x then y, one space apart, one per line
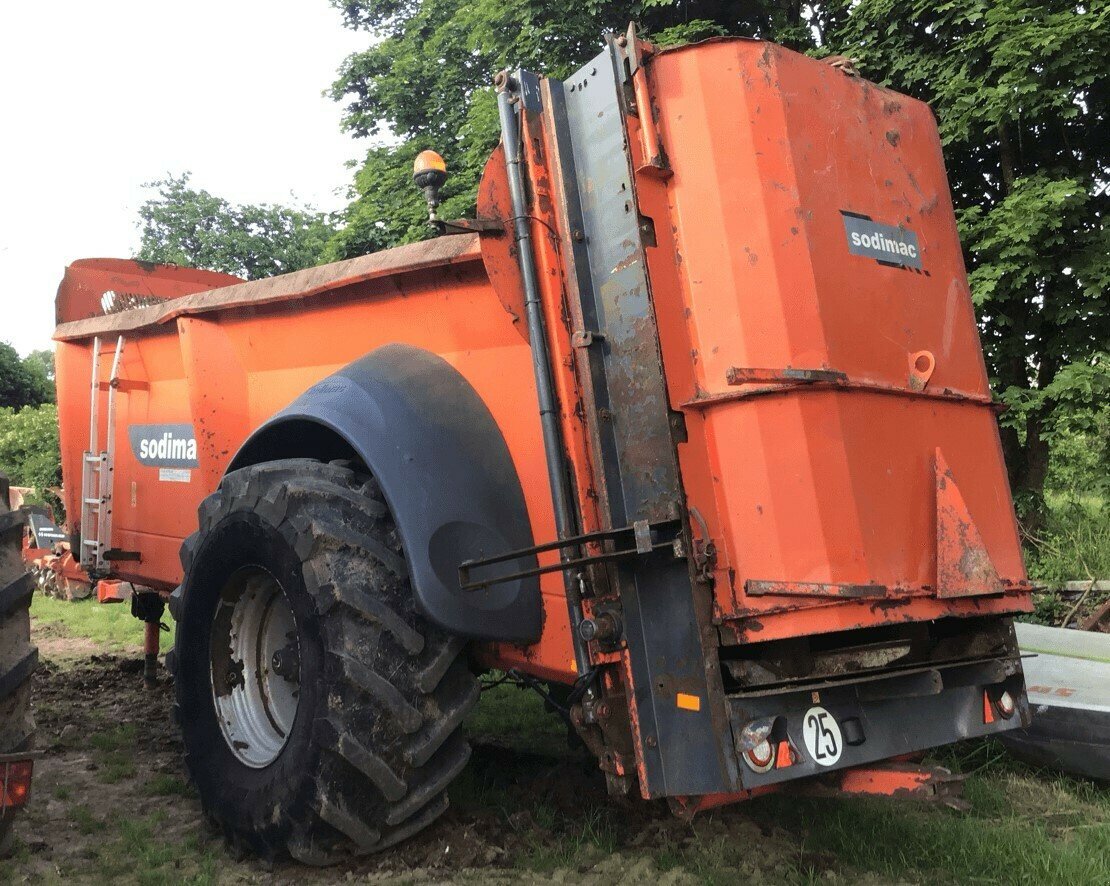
823 483
226 371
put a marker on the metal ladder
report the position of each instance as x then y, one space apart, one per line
97 468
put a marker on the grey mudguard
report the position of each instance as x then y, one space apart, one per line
446 472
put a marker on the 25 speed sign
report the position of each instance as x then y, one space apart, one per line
822 736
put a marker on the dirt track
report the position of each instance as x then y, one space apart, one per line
111 804
110 801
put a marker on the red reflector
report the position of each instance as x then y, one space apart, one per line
784 758
988 709
15 783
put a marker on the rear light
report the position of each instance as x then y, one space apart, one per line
1003 704
1006 706
755 745
761 758
15 784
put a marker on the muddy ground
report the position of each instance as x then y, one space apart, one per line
111 803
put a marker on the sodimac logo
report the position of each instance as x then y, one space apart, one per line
164 446
887 244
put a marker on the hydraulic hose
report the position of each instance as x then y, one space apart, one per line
558 475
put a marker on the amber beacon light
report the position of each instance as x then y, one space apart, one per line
429 172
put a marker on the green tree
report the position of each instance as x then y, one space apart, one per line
41 361
26 382
1020 92
426 80
29 452
185 226
1018 86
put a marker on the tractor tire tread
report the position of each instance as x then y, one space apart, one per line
388 728
379 772
16 595
10 521
18 673
18 656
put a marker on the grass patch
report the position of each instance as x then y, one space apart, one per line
19 854
120 737
165 785
520 742
139 853
1073 545
110 625
83 818
1023 828
514 717
113 752
558 841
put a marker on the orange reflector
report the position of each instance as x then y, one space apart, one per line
783 757
988 709
688 702
15 784
427 160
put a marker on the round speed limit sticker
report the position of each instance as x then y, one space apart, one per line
821 733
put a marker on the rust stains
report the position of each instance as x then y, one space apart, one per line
964 566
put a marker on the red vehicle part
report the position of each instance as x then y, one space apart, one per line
93 287
771 533
57 573
15 781
891 779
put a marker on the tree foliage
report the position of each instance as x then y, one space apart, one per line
1019 88
1020 92
29 452
28 381
426 81
185 226
41 362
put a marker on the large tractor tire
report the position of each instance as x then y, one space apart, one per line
320 712
18 658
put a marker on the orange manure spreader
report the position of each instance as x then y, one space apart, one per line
691 421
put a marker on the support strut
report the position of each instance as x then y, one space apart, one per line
566 523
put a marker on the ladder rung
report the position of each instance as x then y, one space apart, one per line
90 542
93 459
93 501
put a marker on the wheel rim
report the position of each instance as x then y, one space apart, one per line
255 666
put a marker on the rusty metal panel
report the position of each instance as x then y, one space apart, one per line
964 567
820 374
682 750
128 282
220 292
613 281
756 588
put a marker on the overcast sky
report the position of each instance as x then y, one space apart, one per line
97 98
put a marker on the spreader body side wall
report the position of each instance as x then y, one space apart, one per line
226 371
